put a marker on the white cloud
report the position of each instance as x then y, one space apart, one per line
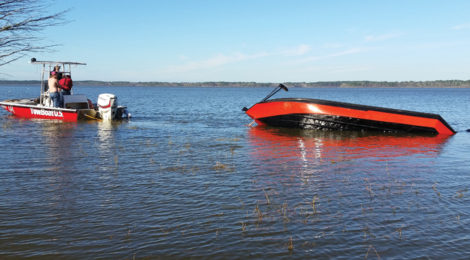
223 59
332 55
464 26
297 51
183 57
346 52
213 62
336 69
333 45
381 37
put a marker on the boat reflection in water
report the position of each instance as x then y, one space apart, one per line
292 148
59 143
108 148
63 160
105 136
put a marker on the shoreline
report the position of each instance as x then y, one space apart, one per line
323 84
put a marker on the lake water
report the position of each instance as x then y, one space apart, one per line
186 177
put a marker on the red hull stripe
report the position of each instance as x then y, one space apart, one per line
108 105
33 112
278 107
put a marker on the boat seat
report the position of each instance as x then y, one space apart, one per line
76 102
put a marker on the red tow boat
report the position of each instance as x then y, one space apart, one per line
75 107
28 108
323 114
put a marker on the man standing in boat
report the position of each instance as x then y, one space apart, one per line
65 84
54 89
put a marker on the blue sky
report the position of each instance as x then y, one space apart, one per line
259 40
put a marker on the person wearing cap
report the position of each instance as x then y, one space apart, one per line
54 89
57 71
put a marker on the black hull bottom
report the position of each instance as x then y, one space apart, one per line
328 122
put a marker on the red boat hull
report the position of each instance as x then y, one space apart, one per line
324 114
37 112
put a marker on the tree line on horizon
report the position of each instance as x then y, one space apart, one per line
319 84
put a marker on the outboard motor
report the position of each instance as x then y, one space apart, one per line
107 106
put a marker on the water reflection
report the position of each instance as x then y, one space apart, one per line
58 138
286 146
105 136
107 148
60 168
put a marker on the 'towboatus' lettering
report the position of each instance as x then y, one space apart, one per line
41 112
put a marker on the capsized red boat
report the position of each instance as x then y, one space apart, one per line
332 115
75 107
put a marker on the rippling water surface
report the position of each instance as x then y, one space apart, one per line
186 177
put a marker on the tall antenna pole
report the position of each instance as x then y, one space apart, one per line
42 84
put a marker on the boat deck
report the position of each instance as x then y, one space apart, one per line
24 101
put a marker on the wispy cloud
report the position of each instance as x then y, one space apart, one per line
297 51
212 62
331 55
224 59
381 37
336 69
334 45
464 26
345 52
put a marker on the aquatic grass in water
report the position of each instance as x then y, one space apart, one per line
315 198
219 166
268 201
290 245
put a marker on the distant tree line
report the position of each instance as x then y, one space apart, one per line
386 84
321 84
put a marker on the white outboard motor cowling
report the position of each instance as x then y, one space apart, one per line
107 106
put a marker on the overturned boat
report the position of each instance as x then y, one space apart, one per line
324 114
75 106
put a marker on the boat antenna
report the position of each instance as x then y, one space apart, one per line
277 89
281 86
